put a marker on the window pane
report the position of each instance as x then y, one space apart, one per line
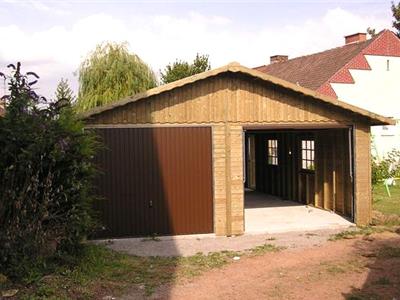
272 152
307 154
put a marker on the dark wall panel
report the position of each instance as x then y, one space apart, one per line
328 186
155 181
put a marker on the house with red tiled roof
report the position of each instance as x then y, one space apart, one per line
363 72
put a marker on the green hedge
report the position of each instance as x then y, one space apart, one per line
45 178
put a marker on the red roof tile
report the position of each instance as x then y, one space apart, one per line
312 71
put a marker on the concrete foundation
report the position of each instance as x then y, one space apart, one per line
269 214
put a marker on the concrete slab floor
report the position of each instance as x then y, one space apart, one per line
191 245
269 214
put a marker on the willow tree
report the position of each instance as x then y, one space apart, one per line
110 73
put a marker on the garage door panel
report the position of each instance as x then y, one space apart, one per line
155 181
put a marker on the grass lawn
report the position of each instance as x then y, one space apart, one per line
385 204
101 272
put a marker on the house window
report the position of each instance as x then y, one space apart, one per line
307 154
272 152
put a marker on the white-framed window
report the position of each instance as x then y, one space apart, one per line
307 154
272 152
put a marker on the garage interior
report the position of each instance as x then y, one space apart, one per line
298 179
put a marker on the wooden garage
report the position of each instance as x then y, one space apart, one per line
176 159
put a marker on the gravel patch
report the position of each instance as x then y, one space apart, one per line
192 244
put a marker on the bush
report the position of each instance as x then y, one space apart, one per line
386 168
45 178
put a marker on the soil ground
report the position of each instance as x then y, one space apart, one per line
360 268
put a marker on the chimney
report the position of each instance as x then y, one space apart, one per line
355 38
278 59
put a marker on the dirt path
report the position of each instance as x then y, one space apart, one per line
364 268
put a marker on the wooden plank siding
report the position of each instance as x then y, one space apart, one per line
224 99
229 103
362 170
332 178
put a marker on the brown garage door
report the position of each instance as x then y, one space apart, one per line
155 181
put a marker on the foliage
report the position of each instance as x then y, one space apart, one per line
181 69
200 64
387 167
64 91
371 31
45 179
111 73
262 249
385 204
360 231
396 16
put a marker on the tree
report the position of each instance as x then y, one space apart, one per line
46 172
64 91
200 64
111 73
396 16
371 31
181 69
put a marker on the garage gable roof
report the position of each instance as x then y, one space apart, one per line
236 68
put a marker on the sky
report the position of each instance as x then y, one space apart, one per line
53 37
